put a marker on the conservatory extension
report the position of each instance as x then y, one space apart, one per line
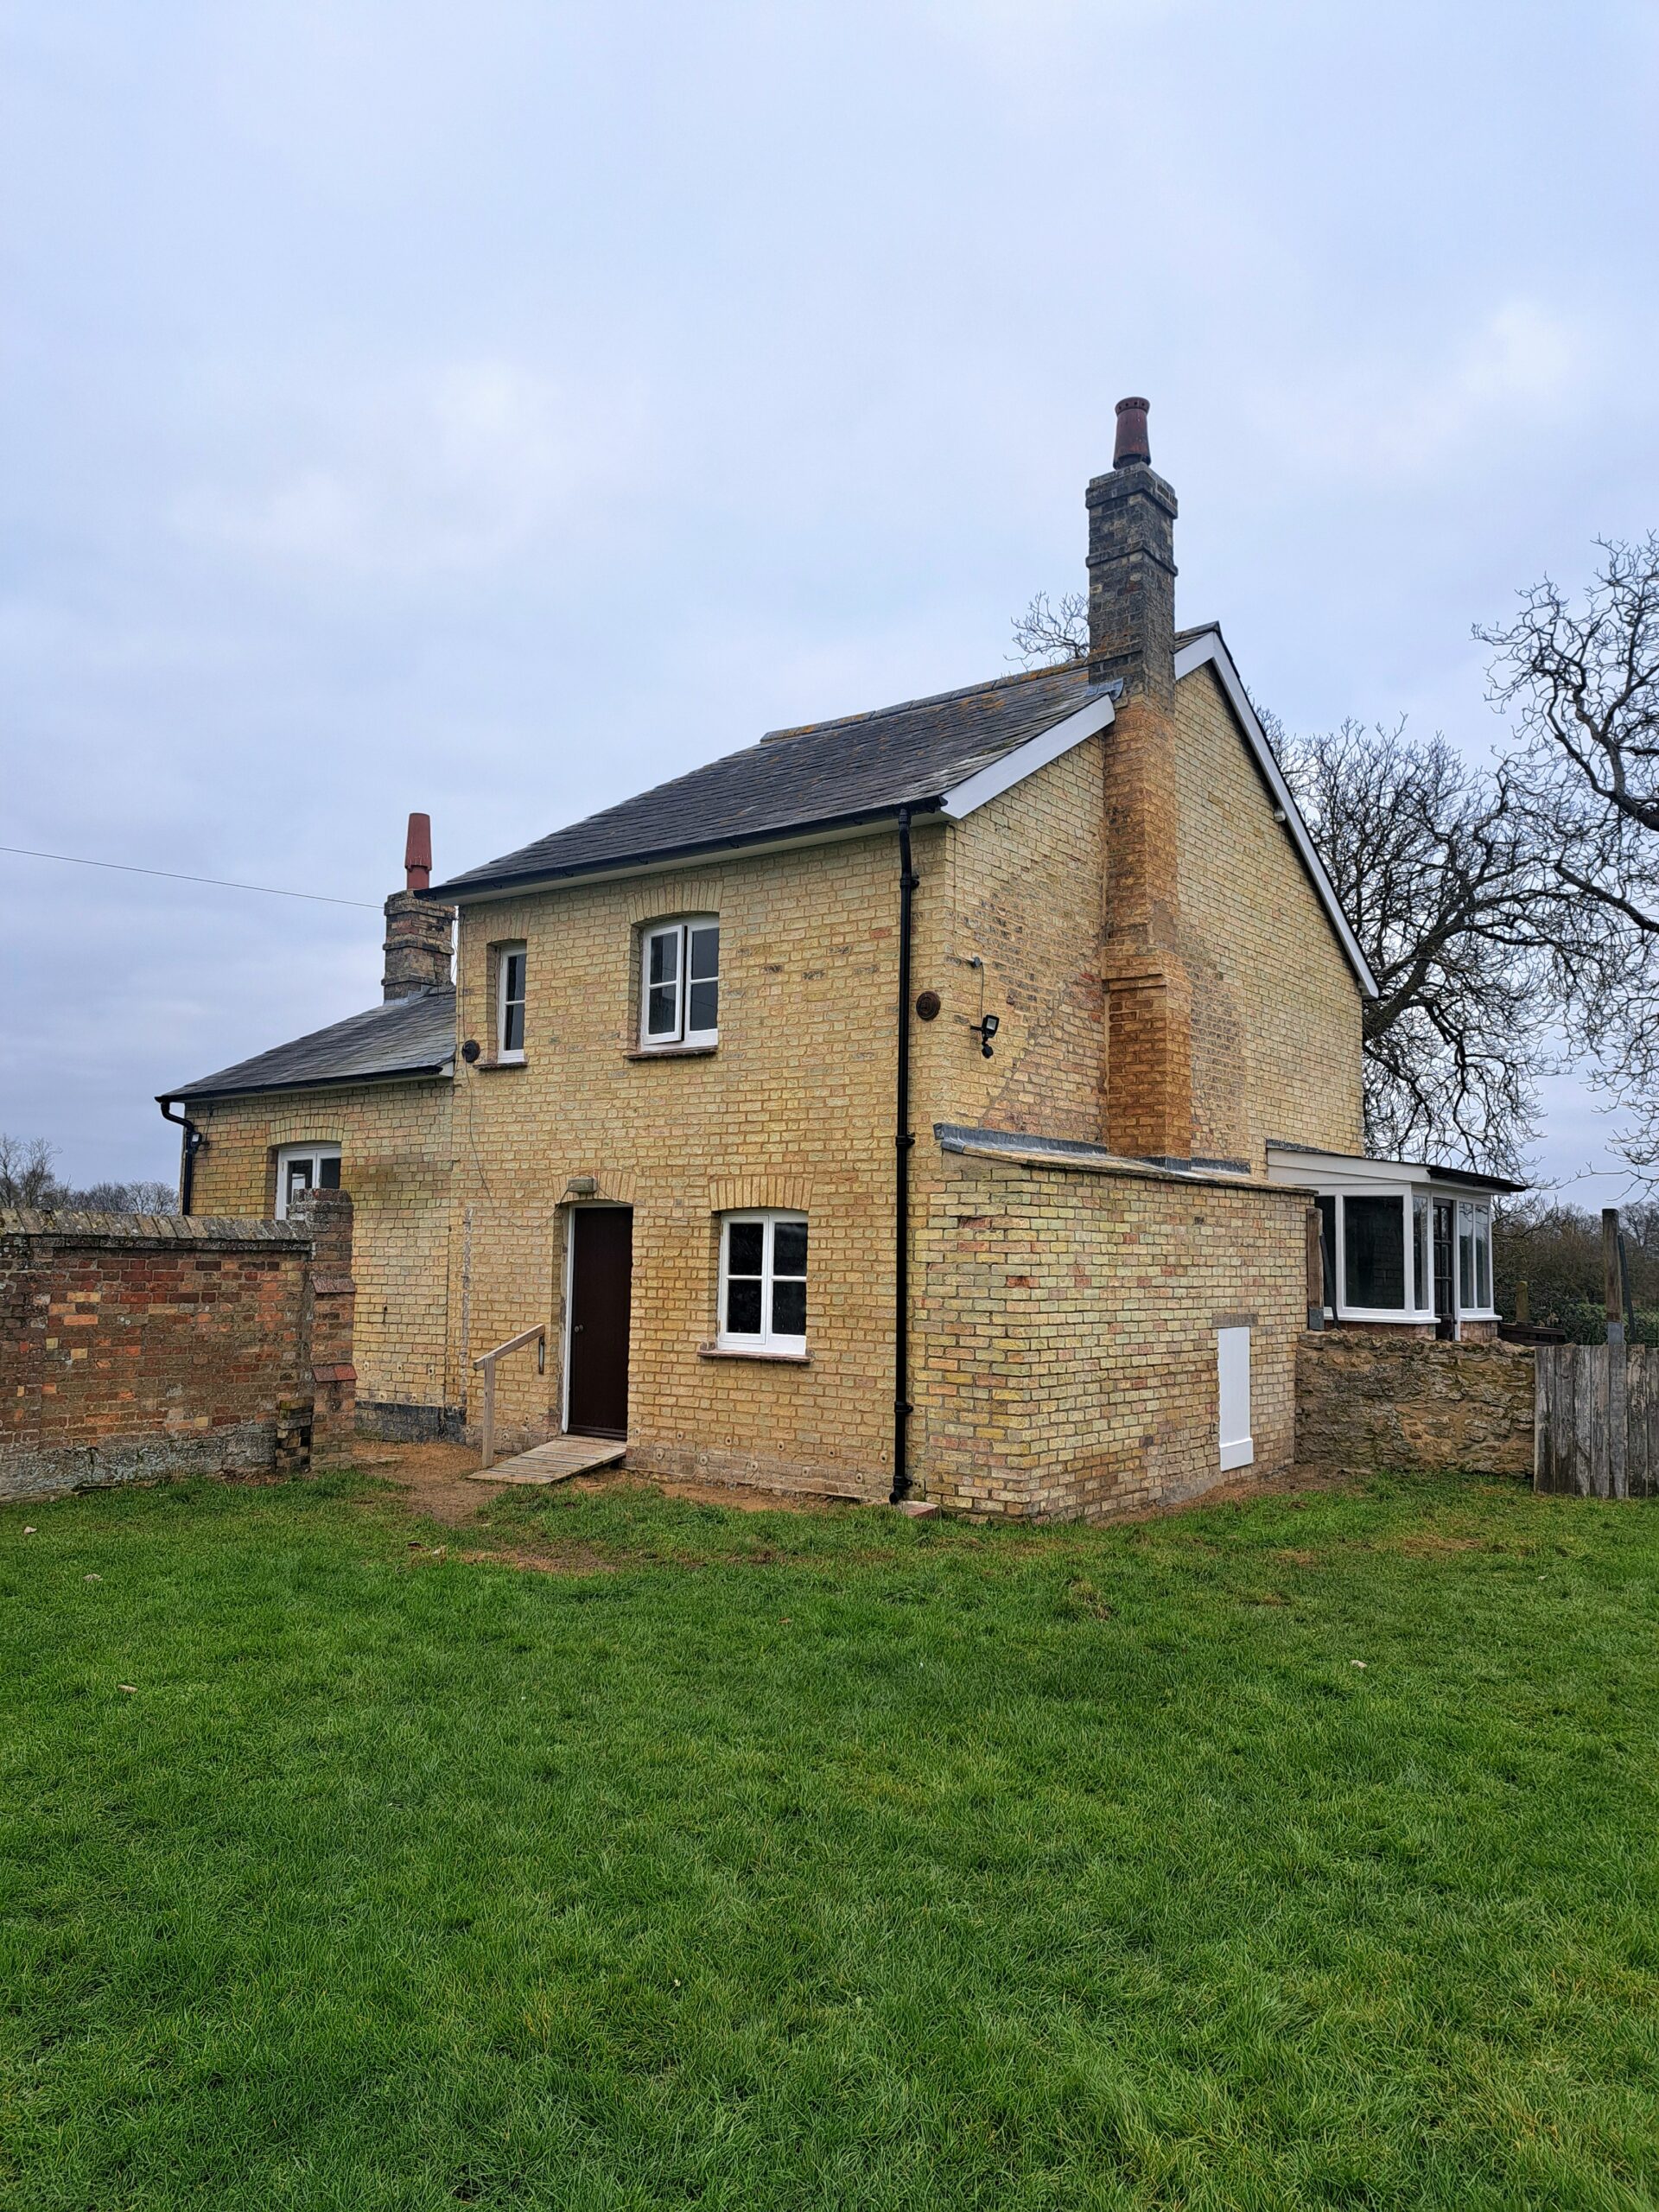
1406 1244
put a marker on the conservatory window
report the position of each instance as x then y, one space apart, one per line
1374 1246
1422 1253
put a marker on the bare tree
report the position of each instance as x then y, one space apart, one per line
27 1180
1055 634
142 1197
1437 875
26 1176
1582 682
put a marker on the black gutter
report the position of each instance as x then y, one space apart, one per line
1468 1179
905 1141
189 1145
469 886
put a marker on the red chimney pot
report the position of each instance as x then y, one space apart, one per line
1131 443
417 853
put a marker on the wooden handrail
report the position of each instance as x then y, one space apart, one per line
486 1360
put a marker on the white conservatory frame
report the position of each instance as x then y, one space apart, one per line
1416 1185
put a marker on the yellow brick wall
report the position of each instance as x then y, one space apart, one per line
794 1108
1066 1334
1018 886
1275 1008
395 1145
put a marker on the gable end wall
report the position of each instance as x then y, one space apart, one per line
1275 1006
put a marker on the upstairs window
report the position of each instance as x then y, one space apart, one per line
763 1282
509 1002
679 983
305 1167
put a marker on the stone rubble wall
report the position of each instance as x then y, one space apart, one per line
1374 1402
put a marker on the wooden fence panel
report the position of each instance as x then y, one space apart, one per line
1596 1429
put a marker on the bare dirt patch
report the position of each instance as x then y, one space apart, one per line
434 1479
440 1482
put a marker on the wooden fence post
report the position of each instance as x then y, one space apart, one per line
1612 1290
1315 1270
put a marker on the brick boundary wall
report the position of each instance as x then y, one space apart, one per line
1370 1403
134 1347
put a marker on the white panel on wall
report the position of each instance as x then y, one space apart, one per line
1233 1371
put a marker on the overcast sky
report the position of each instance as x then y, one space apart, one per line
495 409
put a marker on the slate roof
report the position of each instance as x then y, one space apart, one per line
861 768
406 1037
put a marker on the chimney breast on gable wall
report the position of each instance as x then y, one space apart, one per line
418 933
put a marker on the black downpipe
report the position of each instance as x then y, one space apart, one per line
192 1144
904 1140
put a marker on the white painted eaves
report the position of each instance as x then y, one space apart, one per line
1026 759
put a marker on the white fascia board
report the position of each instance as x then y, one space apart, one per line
1335 1172
1026 759
1211 651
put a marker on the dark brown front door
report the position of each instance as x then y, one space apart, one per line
601 1276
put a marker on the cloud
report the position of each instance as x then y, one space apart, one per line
1382 414
452 471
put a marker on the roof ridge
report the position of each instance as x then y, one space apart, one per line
927 699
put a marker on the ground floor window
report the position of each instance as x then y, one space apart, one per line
1422 1277
1374 1244
1474 1255
763 1282
305 1167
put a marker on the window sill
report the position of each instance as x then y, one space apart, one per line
499 1067
774 1359
671 1052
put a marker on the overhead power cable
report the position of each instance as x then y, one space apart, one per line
219 882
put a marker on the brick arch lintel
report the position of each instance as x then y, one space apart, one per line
617 1186
741 1193
680 894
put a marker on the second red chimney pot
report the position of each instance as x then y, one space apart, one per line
1131 443
417 853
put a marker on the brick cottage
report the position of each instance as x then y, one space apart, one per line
927 1103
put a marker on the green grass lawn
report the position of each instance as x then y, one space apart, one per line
827 1861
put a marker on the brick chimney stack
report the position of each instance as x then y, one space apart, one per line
1132 565
1148 1082
417 945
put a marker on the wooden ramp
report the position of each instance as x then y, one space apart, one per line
555 1461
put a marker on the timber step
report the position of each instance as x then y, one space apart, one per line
555 1461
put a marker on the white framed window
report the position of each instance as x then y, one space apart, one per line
1374 1225
510 971
679 983
1422 1276
305 1167
762 1282
1474 1257
1233 1382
